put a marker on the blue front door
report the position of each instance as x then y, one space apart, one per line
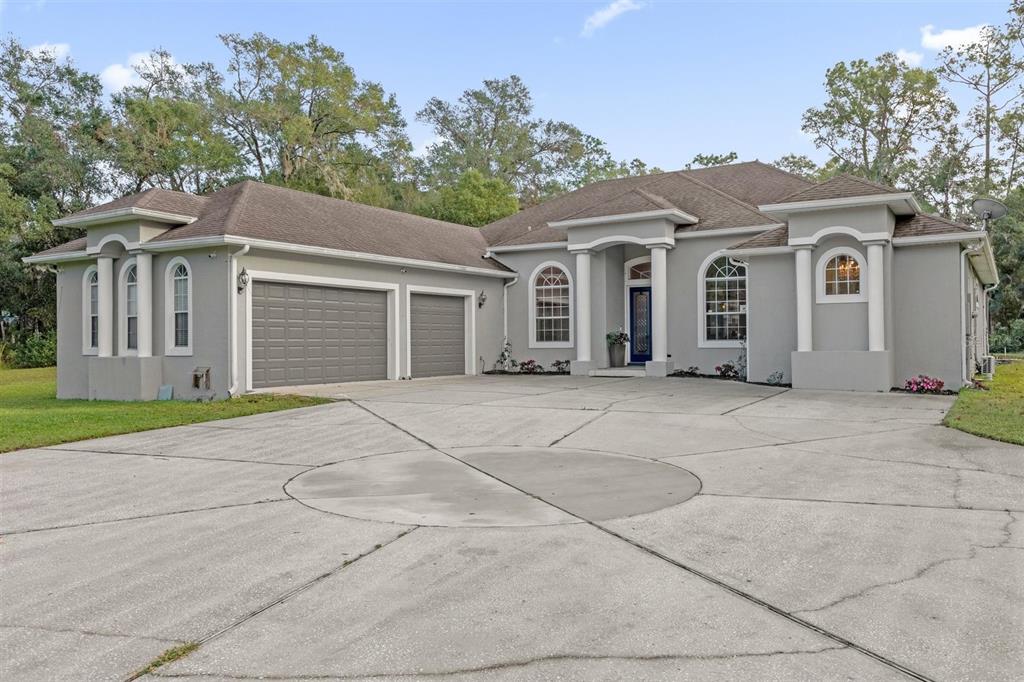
639 324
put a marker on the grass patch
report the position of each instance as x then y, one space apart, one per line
31 416
169 656
997 413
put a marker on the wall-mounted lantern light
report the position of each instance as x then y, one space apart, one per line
243 280
481 299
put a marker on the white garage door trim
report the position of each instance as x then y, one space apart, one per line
290 278
469 295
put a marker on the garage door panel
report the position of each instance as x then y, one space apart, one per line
437 335
307 334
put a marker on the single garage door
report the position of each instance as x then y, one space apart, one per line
315 335
438 335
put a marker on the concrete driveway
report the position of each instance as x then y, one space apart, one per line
524 528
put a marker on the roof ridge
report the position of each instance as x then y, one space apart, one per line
739 202
649 179
810 183
229 219
655 198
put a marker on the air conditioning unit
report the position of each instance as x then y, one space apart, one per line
988 366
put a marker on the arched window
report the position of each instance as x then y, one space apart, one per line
178 306
723 294
90 311
551 311
841 275
130 294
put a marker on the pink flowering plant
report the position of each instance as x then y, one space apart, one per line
530 366
924 384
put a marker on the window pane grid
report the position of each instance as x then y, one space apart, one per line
131 304
725 301
181 305
842 276
551 306
94 310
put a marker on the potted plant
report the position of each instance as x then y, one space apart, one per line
617 341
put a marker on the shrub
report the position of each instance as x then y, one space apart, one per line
530 366
1007 338
560 365
727 370
36 350
692 371
775 378
617 338
924 384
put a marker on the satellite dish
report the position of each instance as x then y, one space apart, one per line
988 209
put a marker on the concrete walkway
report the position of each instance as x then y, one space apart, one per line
524 528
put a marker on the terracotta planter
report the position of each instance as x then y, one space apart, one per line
617 355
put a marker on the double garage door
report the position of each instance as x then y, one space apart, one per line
304 334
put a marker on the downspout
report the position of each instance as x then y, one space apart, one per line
504 304
233 318
988 318
964 253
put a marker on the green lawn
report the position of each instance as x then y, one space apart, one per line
997 413
31 415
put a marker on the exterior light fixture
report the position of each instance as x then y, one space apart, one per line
481 299
243 280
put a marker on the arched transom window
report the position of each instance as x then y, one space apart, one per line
181 305
842 276
91 307
552 312
178 308
725 302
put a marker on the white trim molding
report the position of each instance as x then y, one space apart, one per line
839 229
702 338
291 278
672 214
470 321
170 347
128 213
901 203
113 237
629 284
532 312
727 231
540 246
63 257
612 240
819 276
122 309
88 348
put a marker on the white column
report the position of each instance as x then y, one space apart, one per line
583 306
144 272
804 300
876 297
659 304
105 291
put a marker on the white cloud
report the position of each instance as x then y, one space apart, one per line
116 77
909 57
58 50
606 15
423 148
951 37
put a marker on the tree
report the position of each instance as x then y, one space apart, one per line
165 133
472 200
492 129
876 115
302 119
52 152
799 164
705 160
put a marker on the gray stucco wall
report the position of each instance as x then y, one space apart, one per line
771 289
839 326
866 219
926 322
488 318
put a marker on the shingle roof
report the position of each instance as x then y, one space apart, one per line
66 247
257 211
919 225
839 187
155 199
719 197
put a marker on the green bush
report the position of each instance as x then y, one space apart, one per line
1007 338
36 350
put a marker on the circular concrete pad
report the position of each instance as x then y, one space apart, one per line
493 487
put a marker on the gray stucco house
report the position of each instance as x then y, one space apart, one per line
844 284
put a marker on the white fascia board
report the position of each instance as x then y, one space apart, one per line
285 247
843 202
541 246
759 251
672 214
944 238
727 231
67 256
126 214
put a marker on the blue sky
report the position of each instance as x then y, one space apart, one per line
654 79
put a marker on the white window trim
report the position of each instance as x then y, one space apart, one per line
630 283
169 347
87 347
122 308
533 342
702 323
821 296
469 296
